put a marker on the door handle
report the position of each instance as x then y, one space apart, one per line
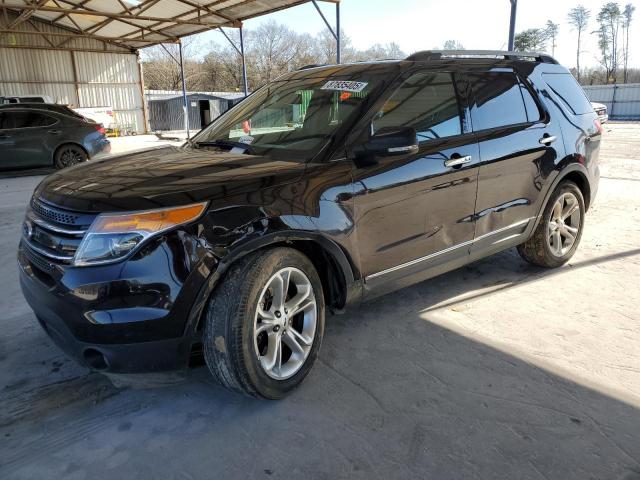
54 132
456 161
547 139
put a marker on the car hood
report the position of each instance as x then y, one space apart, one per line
163 177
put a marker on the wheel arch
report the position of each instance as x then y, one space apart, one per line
337 272
574 172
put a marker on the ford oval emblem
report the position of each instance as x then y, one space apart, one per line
27 229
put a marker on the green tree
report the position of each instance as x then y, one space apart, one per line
578 17
609 19
551 30
533 39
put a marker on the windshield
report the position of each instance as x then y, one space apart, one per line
291 119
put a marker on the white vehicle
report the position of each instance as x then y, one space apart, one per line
601 110
27 99
103 115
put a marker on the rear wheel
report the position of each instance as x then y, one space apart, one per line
264 323
69 155
558 234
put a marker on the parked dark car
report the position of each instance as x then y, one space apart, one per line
326 187
50 107
35 138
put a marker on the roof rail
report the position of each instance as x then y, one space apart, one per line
312 65
427 55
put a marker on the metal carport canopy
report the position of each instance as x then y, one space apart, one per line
130 25
137 24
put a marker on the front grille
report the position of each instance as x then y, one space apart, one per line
37 261
52 235
53 214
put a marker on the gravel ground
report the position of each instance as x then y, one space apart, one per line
497 370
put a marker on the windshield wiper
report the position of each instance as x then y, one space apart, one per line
224 143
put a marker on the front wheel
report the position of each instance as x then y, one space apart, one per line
264 323
556 238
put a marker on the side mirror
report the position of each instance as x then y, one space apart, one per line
386 142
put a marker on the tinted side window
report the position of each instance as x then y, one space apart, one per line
30 119
569 92
498 101
2 121
426 101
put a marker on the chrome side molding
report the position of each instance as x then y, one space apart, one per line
447 250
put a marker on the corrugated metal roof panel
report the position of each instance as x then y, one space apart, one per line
169 14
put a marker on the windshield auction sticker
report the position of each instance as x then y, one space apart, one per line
344 85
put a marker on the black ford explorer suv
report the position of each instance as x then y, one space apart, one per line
328 186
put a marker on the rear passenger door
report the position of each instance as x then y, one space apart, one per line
33 137
8 157
519 146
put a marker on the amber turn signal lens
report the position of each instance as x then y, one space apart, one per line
150 221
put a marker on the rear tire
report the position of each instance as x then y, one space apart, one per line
556 238
260 339
68 155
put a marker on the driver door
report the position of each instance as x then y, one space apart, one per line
414 211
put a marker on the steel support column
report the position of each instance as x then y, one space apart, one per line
512 24
185 107
244 64
338 32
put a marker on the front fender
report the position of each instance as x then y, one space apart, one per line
258 241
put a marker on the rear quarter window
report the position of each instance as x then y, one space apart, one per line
498 101
569 92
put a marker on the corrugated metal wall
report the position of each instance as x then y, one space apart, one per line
622 101
110 77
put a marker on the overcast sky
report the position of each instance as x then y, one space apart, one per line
426 24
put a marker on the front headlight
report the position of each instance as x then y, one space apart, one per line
112 236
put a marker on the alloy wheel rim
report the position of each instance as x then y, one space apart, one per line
564 224
70 157
285 323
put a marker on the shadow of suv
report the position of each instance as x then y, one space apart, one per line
329 186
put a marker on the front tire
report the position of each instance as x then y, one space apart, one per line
264 323
556 238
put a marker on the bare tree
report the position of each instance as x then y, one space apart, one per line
551 30
627 16
162 68
578 17
609 19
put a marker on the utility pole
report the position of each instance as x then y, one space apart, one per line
512 24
